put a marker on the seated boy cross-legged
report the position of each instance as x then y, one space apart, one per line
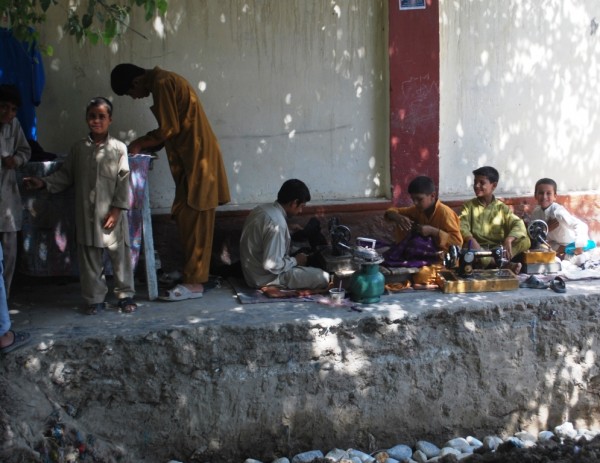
428 222
486 222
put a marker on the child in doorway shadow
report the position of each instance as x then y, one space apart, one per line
98 167
14 152
567 235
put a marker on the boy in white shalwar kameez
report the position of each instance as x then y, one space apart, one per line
566 233
98 167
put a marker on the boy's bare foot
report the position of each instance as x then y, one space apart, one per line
515 267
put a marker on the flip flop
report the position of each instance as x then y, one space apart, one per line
20 339
127 305
180 293
534 282
558 285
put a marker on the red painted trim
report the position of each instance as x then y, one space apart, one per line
414 96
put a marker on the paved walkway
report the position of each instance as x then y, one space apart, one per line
50 310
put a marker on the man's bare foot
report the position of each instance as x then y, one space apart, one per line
194 287
278 292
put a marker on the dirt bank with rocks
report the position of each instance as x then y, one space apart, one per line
430 367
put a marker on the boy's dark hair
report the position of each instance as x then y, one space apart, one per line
421 185
293 190
546 181
99 101
10 94
122 76
489 172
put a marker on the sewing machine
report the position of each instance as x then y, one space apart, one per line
460 276
540 258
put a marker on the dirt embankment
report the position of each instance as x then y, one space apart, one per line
226 393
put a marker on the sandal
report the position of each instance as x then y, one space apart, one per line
93 309
20 338
127 305
558 285
534 282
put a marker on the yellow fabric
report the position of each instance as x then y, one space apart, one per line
427 275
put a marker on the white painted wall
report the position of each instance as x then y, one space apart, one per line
293 88
519 91
298 88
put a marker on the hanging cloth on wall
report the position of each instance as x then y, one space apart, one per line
21 65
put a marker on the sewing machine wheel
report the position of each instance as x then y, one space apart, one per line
537 228
341 233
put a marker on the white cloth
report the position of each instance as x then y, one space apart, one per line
264 252
12 143
570 229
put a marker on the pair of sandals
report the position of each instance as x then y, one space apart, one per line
125 305
558 284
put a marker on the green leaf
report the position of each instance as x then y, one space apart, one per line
162 6
93 37
86 21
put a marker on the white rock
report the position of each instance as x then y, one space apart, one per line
364 457
449 451
400 452
429 449
337 455
305 457
281 460
459 444
420 456
587 434
565 430
474 442
251 460
491 442
544 436
525 437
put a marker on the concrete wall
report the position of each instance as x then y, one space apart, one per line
518 92
292 89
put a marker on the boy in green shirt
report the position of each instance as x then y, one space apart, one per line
486 222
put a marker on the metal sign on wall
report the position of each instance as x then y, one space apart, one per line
412 4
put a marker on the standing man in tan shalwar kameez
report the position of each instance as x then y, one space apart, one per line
194 158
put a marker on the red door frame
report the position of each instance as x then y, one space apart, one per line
414 95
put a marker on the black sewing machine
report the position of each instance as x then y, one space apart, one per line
461 277
464 259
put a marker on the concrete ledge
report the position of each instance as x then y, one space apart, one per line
229 381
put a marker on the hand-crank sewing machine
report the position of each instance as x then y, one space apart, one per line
464 259
460 275
540 258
